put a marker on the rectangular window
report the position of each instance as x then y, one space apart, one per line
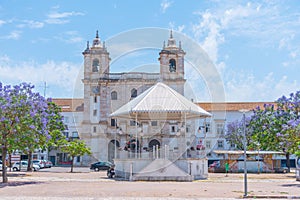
78 159
95 112
220 129
132 123
153 123
66 134
95 99
173 130
232 145
113 122
208 144
75 134
220 144
94 129
66 119
75 119
207 127
187 129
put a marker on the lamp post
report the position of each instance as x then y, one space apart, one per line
245 151
258 157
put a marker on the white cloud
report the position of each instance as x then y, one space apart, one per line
242 86
13 35
266 23
263 25
179 28
70 37
164 5
209 31
56 21
293 54
60 18
31 24
4 59
60 75
2 22
57 15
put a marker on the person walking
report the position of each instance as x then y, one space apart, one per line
226 168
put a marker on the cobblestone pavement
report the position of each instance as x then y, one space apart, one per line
59 183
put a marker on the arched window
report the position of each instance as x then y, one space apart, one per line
172 65
95 65
153 143
114 95
133 93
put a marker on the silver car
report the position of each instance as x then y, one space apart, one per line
23 166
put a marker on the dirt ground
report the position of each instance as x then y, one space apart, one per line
59 183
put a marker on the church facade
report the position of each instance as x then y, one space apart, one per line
105 92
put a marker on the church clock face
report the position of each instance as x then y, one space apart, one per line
172 65
95 89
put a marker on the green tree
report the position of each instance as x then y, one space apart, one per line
298 150
75 148
24 118
56 128
277 127
234 133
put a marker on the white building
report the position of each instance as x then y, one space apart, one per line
105 92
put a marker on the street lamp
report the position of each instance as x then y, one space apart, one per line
245 149
258 157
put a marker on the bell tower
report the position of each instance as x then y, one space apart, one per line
96 59
96 95
171 59
96 71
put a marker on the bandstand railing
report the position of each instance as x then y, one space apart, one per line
161 153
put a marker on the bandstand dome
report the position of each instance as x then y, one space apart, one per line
160 102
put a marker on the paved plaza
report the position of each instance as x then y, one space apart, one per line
59 183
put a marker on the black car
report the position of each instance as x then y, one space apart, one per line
101 165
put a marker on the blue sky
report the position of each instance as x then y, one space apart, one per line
254 45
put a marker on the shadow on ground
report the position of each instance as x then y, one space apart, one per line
291 185
18 183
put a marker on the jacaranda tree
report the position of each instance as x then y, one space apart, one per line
24 120
276 127
234 133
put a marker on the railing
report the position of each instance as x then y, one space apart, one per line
130 75
162 152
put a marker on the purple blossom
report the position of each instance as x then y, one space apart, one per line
2 119
32 127
278 134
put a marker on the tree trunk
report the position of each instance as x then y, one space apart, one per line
72 161
288 163
10 164
4 172
29 166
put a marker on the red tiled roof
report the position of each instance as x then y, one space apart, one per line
76 105
69 105
232 106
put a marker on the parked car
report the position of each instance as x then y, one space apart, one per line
281 170
48 164
40 163
101 166
23 166
0 165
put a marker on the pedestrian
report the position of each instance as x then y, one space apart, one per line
226 168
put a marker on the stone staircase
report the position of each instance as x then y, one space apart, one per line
161 170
